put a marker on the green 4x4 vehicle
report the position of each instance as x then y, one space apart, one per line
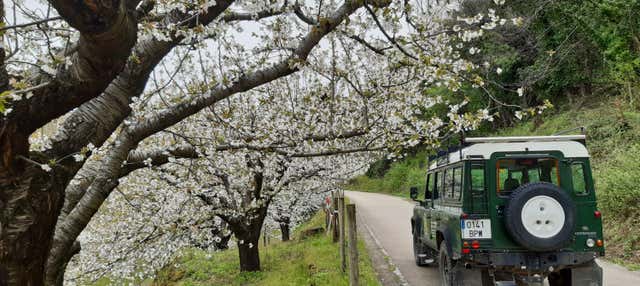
518 209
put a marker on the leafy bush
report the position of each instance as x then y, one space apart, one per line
618 182
400 176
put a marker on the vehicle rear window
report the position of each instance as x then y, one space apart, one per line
513 173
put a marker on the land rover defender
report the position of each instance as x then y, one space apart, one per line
518 209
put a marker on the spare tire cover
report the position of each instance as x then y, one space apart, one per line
540 216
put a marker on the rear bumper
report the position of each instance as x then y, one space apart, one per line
530 262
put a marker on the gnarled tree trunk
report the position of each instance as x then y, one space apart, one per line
30 196
29 206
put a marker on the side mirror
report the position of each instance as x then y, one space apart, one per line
413 193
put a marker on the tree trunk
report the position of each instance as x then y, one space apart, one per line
284 229
247 230
29 206
59 279
249 252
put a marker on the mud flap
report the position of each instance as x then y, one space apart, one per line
590 274
467 277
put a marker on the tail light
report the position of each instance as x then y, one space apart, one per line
475 244
465 247
597 214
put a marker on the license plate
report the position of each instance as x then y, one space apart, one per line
475 228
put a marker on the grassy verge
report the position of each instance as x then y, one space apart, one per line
397 180
311 261
613 132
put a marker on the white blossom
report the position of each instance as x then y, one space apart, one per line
45 167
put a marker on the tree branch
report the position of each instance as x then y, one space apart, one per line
384 32
107 34
369 46
34 23
337 152
143 158
297 10
237 16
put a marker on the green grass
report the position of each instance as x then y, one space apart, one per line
613 132
397 180
311 261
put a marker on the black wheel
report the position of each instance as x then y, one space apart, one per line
560 278
487 279
540 216
446 266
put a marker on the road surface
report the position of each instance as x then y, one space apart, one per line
387 218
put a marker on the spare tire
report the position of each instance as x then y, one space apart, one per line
540 216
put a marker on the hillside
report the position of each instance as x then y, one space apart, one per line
613 131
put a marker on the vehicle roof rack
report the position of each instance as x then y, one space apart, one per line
508 139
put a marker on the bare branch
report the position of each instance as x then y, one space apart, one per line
369 46
35 23
384 32
298 12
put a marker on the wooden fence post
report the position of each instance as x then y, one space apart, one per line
353 246
343 241
335 230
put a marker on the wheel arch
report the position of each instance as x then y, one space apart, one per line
444 234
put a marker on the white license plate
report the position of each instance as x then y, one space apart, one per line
475 228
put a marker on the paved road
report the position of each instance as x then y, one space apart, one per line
388 219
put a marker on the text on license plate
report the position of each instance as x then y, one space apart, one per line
475 228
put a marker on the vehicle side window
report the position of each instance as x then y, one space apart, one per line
457 183
441 189
437 185
477 177
579 179
448 183
428 187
